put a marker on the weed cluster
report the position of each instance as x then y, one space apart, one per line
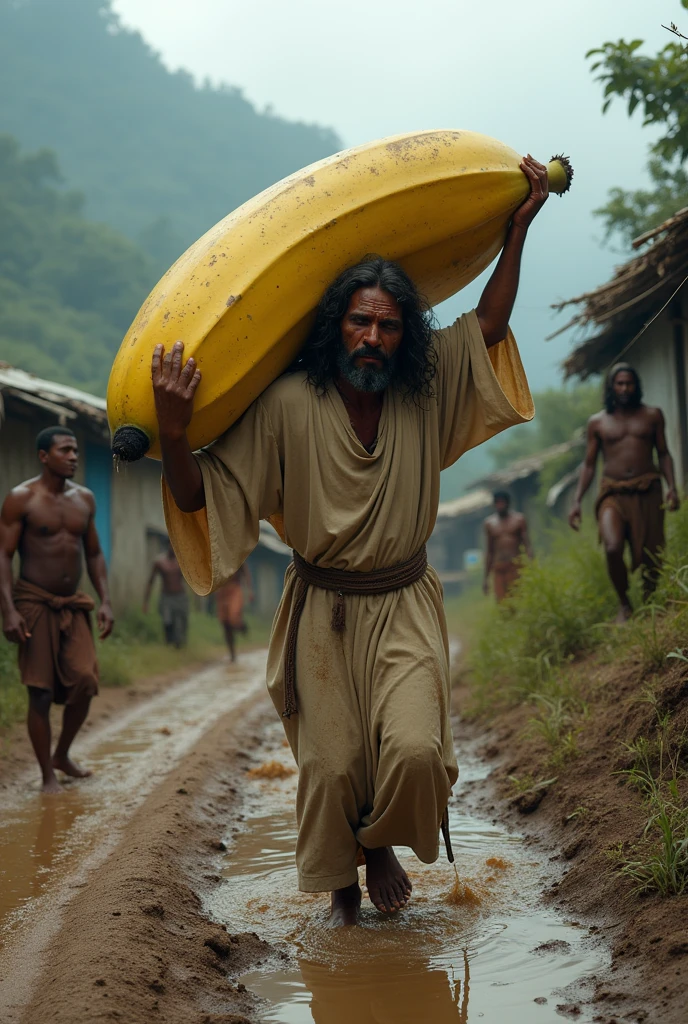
660 862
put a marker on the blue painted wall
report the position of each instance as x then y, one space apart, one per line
98 478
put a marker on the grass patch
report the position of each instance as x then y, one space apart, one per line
660 862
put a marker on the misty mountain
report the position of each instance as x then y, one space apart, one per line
157 157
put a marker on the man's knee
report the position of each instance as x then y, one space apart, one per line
614 546
40 700
413 753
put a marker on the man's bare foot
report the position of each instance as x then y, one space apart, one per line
389 887
623 615
345 906
67 766
51 785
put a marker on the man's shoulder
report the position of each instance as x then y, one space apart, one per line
79 491
290 391
21 493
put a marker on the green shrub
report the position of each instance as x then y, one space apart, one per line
554 613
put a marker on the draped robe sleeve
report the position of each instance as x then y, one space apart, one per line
242 478
480 391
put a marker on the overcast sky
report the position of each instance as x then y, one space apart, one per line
371 68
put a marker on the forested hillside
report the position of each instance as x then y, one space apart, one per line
156 157
68 287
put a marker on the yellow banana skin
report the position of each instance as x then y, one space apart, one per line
242 297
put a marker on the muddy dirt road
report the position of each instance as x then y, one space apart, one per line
163 889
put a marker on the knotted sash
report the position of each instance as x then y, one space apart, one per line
343 582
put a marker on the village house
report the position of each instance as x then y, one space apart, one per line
640 316
129 516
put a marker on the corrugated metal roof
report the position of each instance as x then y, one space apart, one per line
474 501
19 382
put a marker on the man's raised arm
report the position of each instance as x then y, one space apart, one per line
587 472
497 300
11 523
174 387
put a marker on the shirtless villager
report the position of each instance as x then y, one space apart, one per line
343 455
174 599
229 600
506 534
629 502
51 522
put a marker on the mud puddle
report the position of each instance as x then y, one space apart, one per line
488 952
45 841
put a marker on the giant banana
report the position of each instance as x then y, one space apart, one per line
242 297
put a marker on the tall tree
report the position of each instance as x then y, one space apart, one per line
68 287
657 84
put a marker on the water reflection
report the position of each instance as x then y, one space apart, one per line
389 993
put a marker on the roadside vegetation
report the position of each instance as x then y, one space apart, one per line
550 651
135 650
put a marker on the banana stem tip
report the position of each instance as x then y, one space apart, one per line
560 184
130 443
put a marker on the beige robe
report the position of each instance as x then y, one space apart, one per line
372 738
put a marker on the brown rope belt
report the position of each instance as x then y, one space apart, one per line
343 582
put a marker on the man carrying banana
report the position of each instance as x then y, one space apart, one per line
343 455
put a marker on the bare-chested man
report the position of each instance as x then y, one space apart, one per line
629 503
51 522
174 599
506 534
230 606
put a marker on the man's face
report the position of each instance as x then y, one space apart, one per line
62 458
502 507
624 388
372 330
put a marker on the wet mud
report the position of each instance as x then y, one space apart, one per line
476 945
51 846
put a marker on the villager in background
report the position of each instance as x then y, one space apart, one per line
343 455
230 606
174 598
629 504
50 521
506 535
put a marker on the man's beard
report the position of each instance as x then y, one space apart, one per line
366 378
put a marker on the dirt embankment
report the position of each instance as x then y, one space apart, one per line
590 817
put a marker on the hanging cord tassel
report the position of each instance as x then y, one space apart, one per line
444 825
339 613
300 593
341 582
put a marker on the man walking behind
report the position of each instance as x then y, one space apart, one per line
343 456
506 535
229 601
174 600
51 522
629 504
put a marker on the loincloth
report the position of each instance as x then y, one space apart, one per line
173 605
639 504
504 575
230 604
60 655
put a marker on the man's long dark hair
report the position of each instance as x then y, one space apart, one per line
416 358
609 397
